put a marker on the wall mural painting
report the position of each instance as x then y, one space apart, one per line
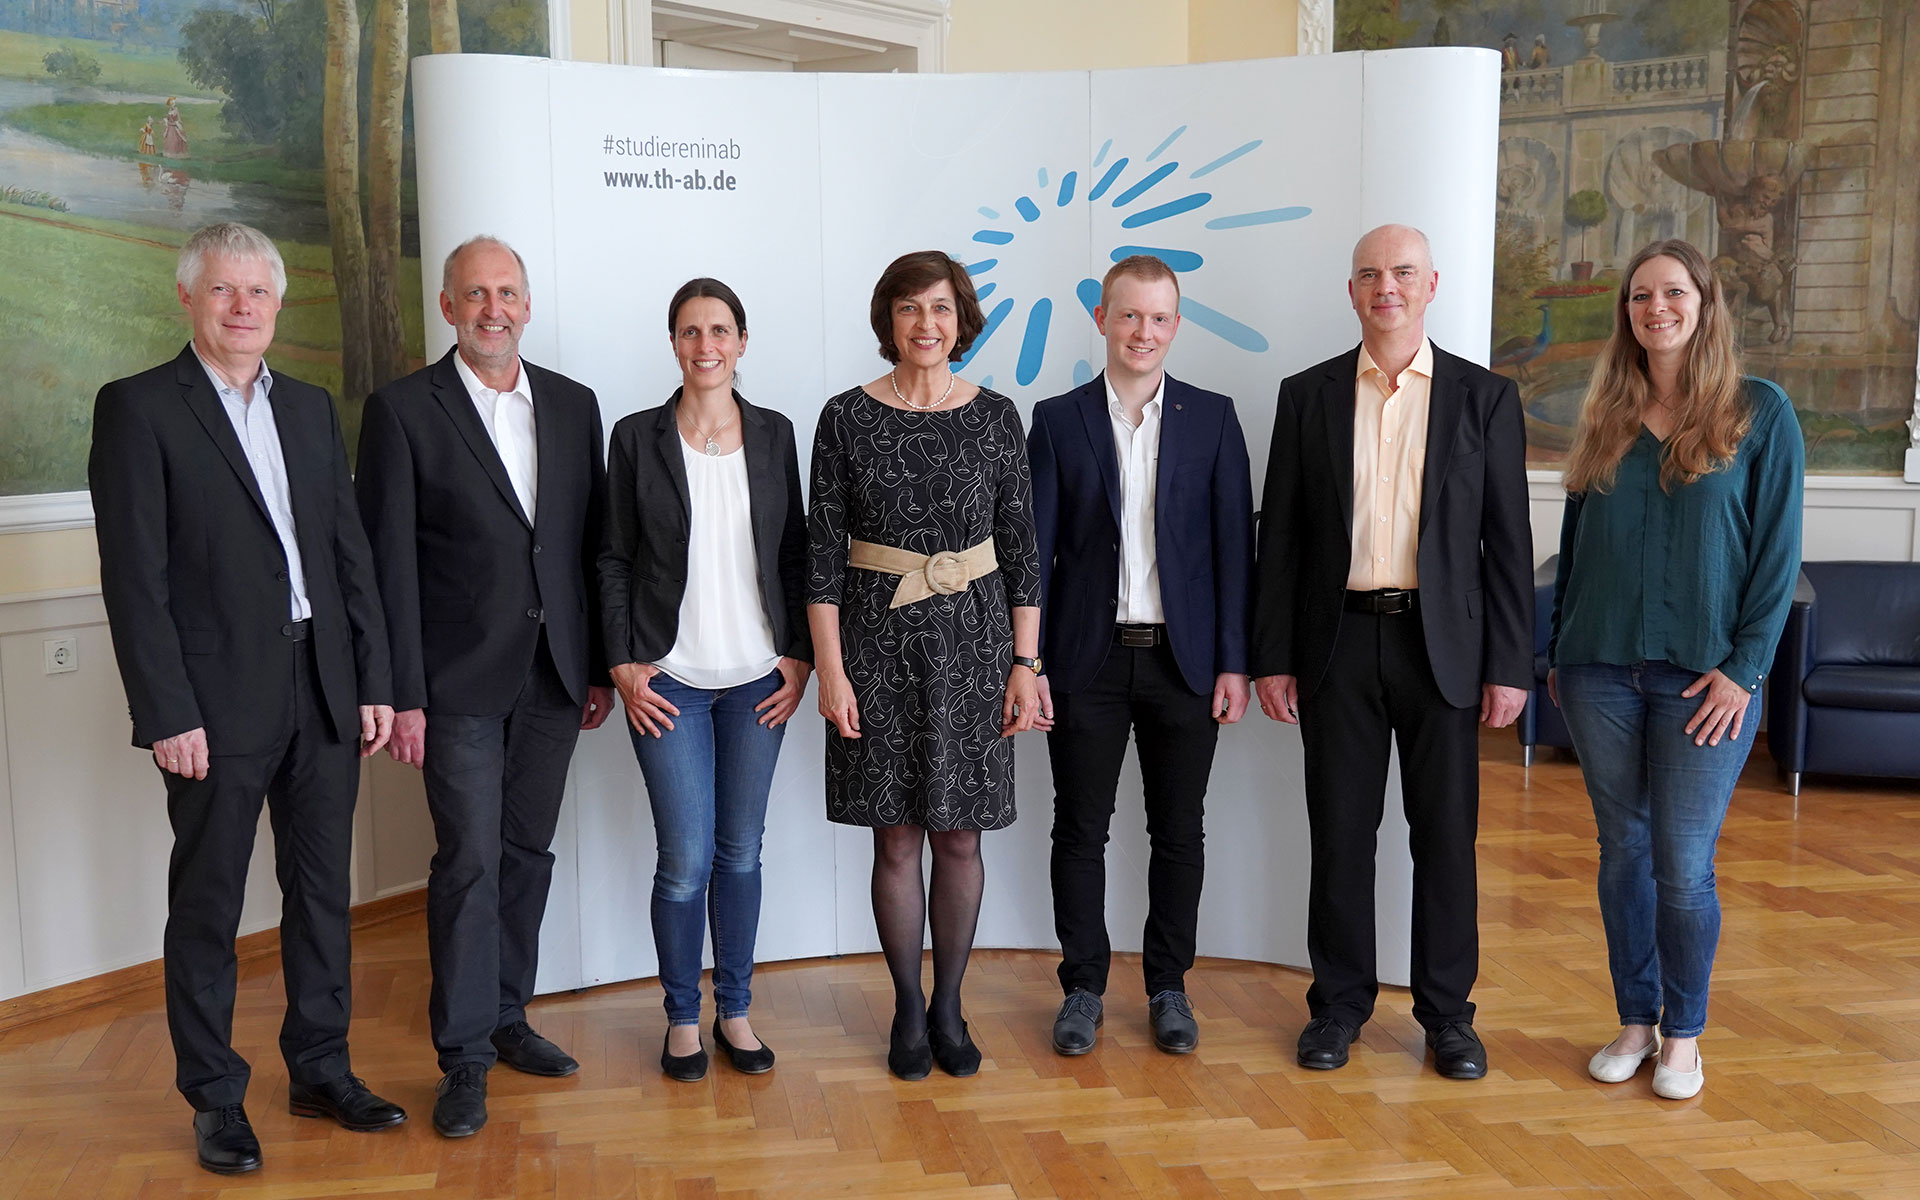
127 124
1776 135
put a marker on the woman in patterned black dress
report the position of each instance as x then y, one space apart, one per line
923 597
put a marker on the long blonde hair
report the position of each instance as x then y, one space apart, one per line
1711 413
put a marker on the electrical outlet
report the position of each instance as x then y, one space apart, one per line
62 655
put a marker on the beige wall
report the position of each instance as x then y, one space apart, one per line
45 562
1222 30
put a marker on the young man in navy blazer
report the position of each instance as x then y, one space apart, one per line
1143 506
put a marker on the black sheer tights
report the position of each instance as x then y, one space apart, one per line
901 907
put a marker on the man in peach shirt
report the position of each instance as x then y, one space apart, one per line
1394 601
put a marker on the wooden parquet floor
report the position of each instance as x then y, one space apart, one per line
1813 1062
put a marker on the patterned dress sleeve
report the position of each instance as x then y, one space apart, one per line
1015 543
827 515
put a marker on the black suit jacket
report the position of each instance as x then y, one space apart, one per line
1203 532
466 580
643 571
1475 541
195 579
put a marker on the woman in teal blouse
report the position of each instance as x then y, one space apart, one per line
1678 555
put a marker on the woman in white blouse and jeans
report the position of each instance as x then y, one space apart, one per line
703 592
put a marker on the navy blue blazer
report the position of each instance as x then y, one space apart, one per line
1203 532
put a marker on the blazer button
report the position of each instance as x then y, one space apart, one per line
534 613
282 576
286 631
536 549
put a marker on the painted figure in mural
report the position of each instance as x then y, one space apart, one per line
1509 53
924 600
1398 609
703 592
240 593
483 490
176 135
146 137
1679 549
1749 220
1541 56
1146 585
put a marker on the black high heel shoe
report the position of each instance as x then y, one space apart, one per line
908 1062
747 1062
959 1059
687 1068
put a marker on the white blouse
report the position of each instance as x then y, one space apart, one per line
725 638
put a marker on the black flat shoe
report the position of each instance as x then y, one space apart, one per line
225 1141
1323 1044
747 1062
524 1050
460 1101
908 1062
346 1100
687 1068
1457 1052
959 1059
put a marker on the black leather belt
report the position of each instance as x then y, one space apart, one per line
300 631
1383 602
1139 636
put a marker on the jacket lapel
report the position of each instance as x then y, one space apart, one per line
1444 404
308 460
1093 410
764 484
451 392
667 442
1337 391
548 438
197 391
1174 419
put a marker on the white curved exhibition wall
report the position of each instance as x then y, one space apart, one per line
1254 178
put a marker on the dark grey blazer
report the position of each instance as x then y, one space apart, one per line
643 570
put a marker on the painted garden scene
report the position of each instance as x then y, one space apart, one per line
1779 136
127 124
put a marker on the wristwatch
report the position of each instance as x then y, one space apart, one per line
1031 664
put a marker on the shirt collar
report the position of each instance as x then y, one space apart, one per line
1116 409
476 388
1422 363
262 383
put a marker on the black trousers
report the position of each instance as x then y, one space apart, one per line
309 782
494 784
1378 686
1138 690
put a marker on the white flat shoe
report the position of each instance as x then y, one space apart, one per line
1618 1068
1670 1084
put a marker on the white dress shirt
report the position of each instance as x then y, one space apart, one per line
508 417
725 638
251 413
1137 448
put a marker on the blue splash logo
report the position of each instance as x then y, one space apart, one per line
1144 210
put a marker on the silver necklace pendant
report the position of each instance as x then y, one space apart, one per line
713 448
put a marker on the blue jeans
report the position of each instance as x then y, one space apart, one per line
1658 800
707 780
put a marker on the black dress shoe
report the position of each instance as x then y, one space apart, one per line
1174 1029
687 1068
1457 1052
747 1062
347 1101
1323 1044
1076 1027
908 1062
524 1050
460 1107
225 1141
959 1059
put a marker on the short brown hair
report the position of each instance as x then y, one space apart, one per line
1144 267
911 274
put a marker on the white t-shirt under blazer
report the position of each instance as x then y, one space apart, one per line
725 638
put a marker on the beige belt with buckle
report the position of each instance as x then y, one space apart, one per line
923 575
